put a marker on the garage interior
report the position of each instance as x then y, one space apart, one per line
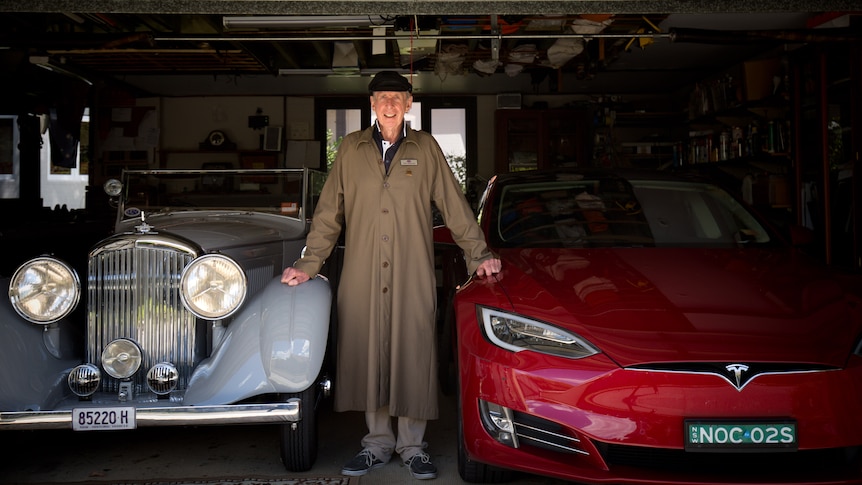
763 94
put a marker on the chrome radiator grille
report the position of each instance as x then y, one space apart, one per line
133 289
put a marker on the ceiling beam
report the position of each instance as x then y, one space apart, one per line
424 7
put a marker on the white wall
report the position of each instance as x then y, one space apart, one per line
186 122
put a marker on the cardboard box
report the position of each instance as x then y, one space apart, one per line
758 78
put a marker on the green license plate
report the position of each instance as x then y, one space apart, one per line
723 436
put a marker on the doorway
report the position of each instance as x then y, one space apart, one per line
452 122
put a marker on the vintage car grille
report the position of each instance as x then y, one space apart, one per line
133 292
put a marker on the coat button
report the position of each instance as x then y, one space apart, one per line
385 211
385 238
385 185
386 264
385 290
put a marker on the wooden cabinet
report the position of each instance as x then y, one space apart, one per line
827 115
528 139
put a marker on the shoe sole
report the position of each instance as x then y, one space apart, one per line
424 476
359 473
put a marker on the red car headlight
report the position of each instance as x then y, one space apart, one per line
516 333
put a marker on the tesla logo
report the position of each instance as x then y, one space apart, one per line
737 370
737 375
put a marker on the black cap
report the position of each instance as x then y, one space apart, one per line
389 81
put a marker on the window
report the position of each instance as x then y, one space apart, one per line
62 186
450 120
335 118
9 173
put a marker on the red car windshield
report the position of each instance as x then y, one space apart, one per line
613 212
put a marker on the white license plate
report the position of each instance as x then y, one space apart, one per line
740 436
93 419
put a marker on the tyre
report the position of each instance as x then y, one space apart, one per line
299 439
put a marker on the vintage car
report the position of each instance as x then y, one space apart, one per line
650 328
179 317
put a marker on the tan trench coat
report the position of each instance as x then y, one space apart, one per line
386 295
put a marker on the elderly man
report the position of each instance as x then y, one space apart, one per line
380 190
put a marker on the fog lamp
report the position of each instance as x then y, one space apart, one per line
121 358
499 423
84 380
162 378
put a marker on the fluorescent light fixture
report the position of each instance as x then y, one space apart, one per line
305 72
303 21
334 72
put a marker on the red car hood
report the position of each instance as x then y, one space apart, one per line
649 305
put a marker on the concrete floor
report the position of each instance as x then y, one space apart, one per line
202 455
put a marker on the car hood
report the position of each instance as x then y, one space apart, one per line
214 230
650 305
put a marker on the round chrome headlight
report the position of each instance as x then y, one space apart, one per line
44 290
113 187
162 378
213 286
121 358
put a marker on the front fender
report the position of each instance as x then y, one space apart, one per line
35 360
275 344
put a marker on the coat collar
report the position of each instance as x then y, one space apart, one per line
379 133
367 135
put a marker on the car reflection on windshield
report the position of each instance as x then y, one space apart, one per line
611 212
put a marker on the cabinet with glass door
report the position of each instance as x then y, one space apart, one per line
529 139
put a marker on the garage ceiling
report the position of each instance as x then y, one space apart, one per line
213 47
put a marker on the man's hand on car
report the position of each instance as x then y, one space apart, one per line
292 276
488 267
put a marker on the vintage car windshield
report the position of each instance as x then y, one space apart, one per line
612 212
277 192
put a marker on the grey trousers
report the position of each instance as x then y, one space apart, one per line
382 441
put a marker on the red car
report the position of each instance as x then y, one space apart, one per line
649 328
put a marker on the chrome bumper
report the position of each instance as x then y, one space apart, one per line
166 416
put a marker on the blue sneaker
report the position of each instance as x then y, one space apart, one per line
421 467
361 464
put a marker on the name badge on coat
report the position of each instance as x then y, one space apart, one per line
412 162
